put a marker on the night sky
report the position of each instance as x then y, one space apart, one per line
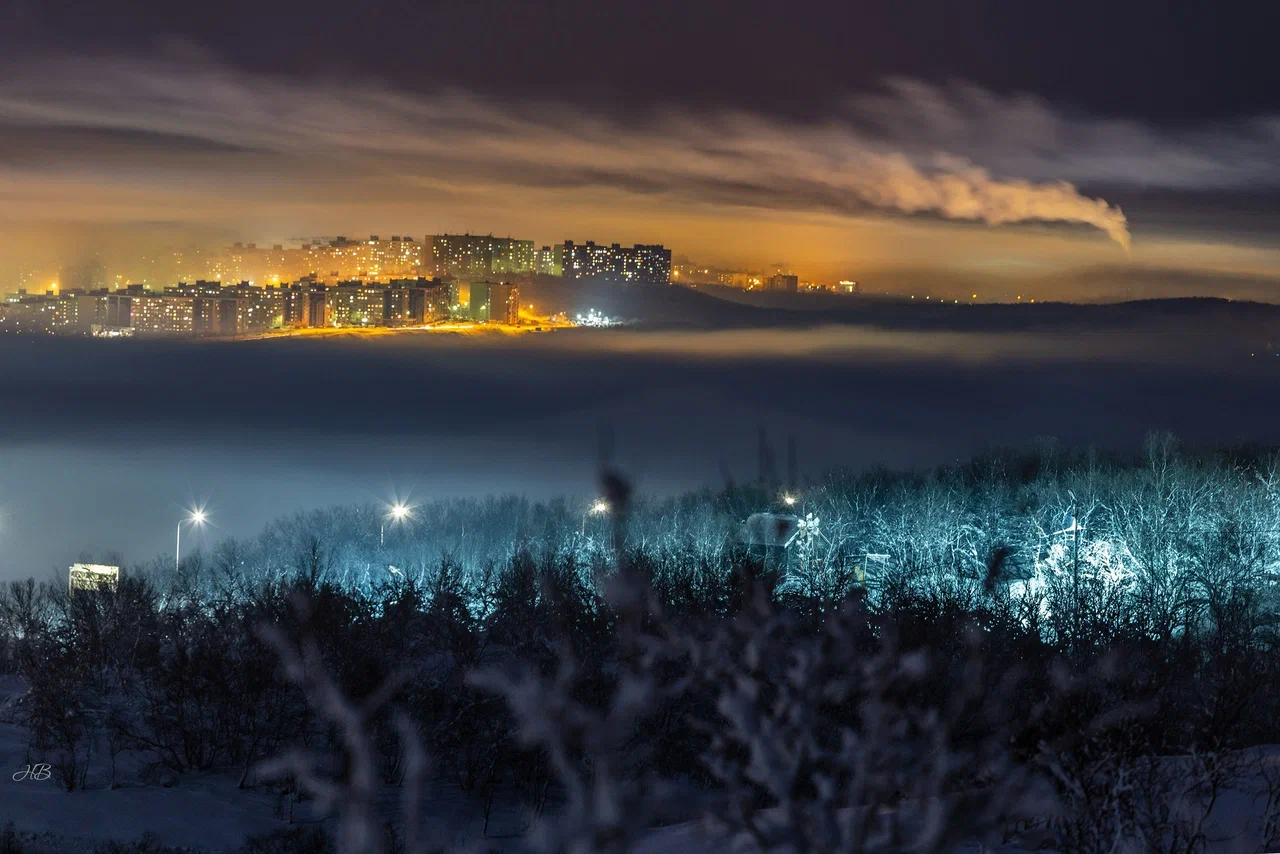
1169 63
837 139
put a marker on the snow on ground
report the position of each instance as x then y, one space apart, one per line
208 811
204 810
200 810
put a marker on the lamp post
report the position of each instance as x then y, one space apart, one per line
197 517
398 513
594 510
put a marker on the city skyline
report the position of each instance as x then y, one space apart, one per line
951 170
372 259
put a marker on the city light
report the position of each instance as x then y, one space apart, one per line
789 499
594 318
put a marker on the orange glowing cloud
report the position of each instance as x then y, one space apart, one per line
227 140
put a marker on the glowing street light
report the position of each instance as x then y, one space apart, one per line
197 517
399 512
598 508
789 499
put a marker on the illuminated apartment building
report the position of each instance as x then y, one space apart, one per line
783 283
547 261
263 307
586 260
52 313
305 304
92 576
468 256
152 314
217 311
375 259
504 304
201 309
512 257
355 304
329 260
437 299
412 302
648 264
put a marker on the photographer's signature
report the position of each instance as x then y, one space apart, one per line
39 772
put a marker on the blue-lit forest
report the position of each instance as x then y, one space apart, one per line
1040 649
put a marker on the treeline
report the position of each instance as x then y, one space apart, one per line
1173 528
615 672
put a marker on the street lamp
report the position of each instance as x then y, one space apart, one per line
789 499
594 510
399 512
197 517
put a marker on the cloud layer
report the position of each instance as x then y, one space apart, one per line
1026 136
113 435
137 129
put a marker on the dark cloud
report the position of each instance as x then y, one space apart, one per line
185 136
1026 135
359 131
957 152
1170 62
65 145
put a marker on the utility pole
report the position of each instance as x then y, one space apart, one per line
1074 530
793 466
1075 572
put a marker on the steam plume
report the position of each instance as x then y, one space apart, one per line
131 127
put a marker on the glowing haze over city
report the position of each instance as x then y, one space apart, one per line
145 131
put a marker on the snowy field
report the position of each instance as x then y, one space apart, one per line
209 812
205 811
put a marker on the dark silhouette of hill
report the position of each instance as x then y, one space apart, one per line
712 307
653 306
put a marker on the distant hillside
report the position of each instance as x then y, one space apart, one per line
711 307
648 304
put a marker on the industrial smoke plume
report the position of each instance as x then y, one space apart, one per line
963 191
114 137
